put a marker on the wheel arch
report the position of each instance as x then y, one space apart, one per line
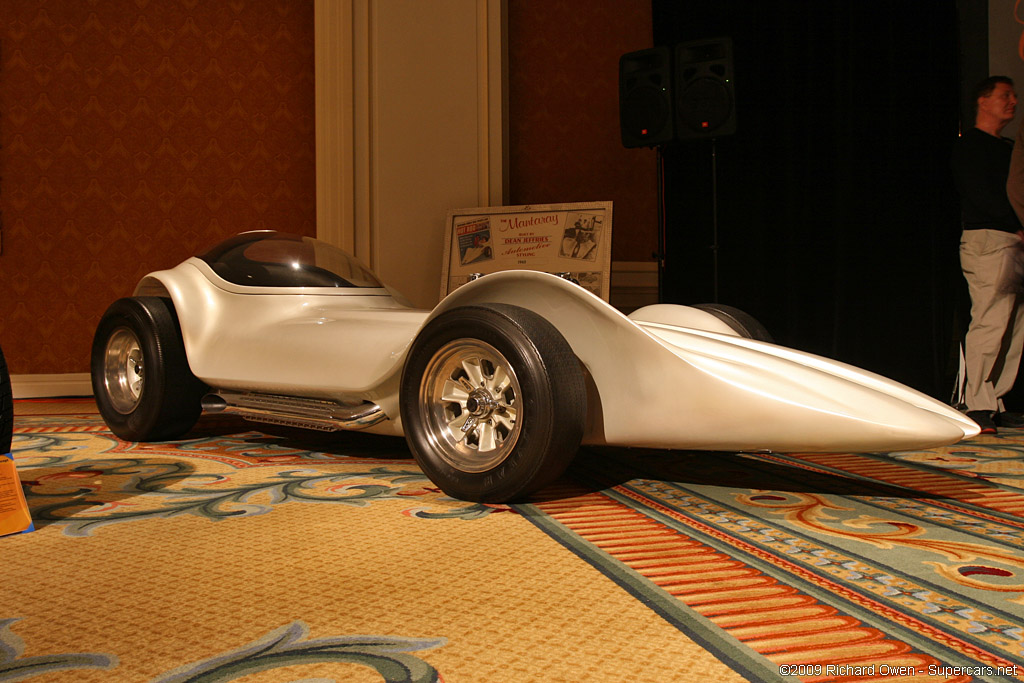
151 285
573 311
180 286
606 342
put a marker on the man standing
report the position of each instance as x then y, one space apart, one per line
990 255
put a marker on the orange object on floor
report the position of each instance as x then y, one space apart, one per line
14 515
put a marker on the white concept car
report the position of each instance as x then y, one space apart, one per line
495 388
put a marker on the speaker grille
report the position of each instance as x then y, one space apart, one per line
705 105
705 101
645 112
646 116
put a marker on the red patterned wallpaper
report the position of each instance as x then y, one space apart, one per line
564 138
134 133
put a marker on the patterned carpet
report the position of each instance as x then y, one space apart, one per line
240 554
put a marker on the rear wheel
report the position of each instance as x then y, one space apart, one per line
6 408
143 386
493 402
741 322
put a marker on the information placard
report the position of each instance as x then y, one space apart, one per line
555 238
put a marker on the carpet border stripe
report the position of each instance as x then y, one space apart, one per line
749 664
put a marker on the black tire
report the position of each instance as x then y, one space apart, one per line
143 386
741 322
528 400
6 408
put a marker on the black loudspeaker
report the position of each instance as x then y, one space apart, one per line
645 97
705 102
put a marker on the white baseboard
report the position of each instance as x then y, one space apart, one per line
49 386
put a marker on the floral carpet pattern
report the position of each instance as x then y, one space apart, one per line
241 554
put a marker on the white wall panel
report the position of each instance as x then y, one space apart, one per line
410 123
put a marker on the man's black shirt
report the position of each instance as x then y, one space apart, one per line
981 163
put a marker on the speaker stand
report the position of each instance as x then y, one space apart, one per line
714 217
660 254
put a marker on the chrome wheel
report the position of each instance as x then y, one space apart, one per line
493 402
123 370
471 402
144 387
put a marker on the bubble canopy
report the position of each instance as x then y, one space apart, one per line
267 258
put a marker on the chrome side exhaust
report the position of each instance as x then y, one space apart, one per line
294 411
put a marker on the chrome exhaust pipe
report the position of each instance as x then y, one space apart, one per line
294 411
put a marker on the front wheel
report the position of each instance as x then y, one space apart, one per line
493 402
143 386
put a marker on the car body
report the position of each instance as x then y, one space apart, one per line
495 387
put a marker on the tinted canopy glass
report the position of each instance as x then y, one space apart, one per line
276 259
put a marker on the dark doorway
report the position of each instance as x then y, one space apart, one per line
837 223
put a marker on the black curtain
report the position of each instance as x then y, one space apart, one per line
837 223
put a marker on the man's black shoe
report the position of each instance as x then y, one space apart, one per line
1010 420
984 420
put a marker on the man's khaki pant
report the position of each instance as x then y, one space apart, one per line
992 262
